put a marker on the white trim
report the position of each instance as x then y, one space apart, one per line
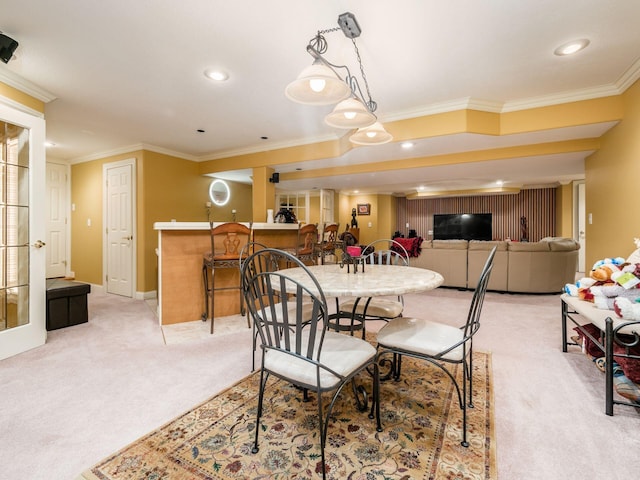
21 107
18 82
146 295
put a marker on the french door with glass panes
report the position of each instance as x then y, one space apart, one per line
22 230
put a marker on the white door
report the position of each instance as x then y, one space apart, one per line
57 185
326 206
581 227
22 232
119 221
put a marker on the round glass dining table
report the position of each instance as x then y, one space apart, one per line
375 280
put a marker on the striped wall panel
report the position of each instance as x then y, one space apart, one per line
537 206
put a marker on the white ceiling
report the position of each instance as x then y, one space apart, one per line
121 74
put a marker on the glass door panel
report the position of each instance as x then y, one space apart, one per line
14 220
22 226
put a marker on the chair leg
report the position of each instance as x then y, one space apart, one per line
323 430
463 405
470 376
213 286
263 381
205 284
375 401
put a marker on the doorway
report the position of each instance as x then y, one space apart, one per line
22 232
57 194
580 222
119 251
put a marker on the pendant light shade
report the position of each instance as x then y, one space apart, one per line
350 113
317 85
373 135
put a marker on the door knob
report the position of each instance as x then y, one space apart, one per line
39 244
128 238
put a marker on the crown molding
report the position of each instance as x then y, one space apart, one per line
130 149
272 146
465 193
629 77
16 81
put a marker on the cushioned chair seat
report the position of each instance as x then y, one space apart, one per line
422 336
378 307
307 309
342 353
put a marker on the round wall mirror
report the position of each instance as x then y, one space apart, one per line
219 192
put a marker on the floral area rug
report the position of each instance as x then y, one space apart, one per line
421 439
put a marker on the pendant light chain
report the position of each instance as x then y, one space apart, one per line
372 105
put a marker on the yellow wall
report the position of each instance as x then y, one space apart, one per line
382 217
612 175
86 198
167 188
564 211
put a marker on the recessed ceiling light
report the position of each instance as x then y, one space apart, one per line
499 183
217 75
572 47
407 145
49 144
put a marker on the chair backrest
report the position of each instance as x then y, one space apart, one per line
228 240
330 234
279 306
473 318
386 252
247 251
307 239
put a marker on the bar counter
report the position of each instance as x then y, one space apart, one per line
181 247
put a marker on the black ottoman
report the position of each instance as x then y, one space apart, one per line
66 303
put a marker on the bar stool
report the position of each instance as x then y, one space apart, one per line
329 241
227 243
307 241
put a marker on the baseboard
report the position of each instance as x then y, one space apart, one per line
146 295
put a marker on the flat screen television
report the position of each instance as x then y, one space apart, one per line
465 226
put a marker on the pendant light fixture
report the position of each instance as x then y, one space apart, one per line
322 84
373 135
350 113
317 85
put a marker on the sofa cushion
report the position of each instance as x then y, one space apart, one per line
487 245
529 247
451 244
563 245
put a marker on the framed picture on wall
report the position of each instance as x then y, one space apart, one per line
364 209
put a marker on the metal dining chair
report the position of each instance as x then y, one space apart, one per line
439 343
380 252
301 350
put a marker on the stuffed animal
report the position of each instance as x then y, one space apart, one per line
605 295
627 309
583 283
602 273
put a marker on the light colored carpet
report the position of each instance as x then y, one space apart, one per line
95 387
199 330
422 431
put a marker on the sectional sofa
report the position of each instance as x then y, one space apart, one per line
519 267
